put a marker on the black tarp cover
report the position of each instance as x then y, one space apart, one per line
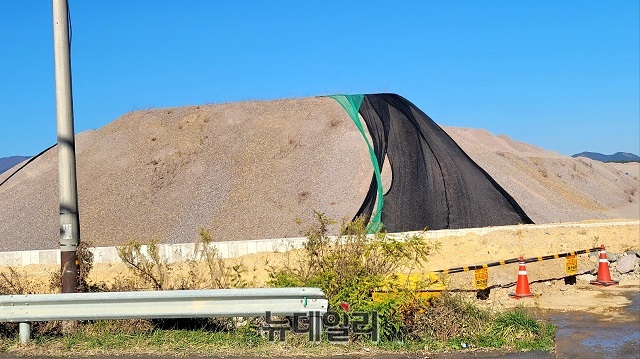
435 184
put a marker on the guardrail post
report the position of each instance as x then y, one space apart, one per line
25 332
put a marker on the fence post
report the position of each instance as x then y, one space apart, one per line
25 332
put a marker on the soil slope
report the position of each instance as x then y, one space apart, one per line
551 187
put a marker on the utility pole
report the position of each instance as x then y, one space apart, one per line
69 220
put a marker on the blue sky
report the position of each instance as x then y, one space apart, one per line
562 75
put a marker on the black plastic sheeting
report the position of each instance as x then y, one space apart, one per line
435 184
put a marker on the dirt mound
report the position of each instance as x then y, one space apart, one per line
244 170
551 187
256 169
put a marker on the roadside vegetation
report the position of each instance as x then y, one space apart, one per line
359 273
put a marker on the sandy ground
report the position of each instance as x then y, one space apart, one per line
630 169
545 277
632 209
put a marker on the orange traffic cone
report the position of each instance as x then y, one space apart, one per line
604 277
522 287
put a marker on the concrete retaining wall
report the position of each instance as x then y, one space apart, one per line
233 249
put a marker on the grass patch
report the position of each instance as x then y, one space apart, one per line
520 330
162 340
455 322
479 328
89 340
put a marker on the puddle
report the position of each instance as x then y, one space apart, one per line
586 335
634 307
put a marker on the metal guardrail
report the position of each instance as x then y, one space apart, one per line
250 302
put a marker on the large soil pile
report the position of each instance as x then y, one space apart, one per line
244 170
551 187
256 169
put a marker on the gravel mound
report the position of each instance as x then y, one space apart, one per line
243 170
256 170
551 187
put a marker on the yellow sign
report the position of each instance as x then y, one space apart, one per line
425 285
481 278
571 265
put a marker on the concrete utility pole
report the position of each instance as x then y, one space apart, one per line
69 221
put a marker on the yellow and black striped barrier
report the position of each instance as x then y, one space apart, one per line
481 274
515 260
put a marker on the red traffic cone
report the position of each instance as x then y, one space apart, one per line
604 277
522 287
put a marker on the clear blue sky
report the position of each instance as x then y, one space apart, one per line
562 75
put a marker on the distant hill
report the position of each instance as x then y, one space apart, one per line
616 157
8 162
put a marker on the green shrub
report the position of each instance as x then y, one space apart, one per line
145 263
449 317
351 266
519 329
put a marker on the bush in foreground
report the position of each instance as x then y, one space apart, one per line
351 267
